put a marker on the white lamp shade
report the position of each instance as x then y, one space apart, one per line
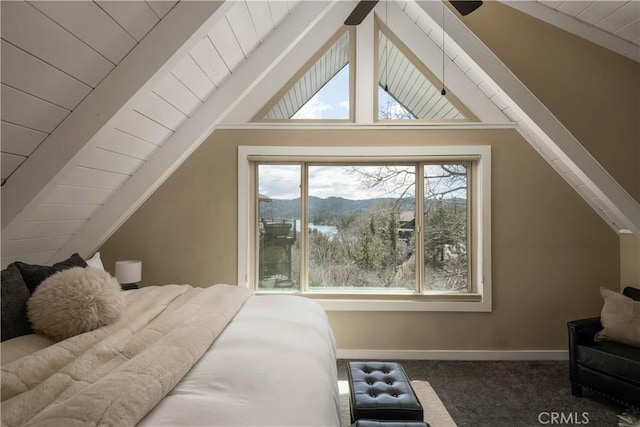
128 271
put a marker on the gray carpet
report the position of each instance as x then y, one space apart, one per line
506 393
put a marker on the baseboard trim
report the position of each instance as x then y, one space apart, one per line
454 354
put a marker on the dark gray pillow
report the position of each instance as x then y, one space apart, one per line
14 304
631 292
34 274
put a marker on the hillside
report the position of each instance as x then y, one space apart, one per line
321 211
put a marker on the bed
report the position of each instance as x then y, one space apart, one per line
224 357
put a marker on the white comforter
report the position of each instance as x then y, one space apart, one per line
274 365
114 375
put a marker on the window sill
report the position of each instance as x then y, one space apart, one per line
349 301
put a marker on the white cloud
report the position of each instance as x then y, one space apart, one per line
279 181
283 182
348 182
313 109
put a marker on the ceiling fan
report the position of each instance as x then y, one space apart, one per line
363 8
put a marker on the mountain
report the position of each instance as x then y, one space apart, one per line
325 211
321 210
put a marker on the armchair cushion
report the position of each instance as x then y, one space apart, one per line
612 358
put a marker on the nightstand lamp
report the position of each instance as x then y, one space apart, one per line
129 273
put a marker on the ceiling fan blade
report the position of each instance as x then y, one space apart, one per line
465 7
360 12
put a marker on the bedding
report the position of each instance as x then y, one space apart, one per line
274 365
15 295
181 356
19 280
74 301
34 274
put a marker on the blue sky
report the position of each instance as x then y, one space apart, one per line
331 102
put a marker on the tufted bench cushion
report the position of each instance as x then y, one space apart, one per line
382 391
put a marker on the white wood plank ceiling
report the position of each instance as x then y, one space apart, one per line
613 24
59 59
53 55
409 86
535 123
47 73
619 18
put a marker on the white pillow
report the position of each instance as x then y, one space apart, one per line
95 261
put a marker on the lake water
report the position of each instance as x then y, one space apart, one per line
329 230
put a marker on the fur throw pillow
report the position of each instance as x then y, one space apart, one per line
75 301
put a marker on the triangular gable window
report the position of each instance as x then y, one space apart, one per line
408 90
323 91
389 108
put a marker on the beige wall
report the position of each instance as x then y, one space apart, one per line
629 261
593 91
551 252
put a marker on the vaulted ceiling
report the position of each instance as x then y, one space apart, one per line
102 101
612 24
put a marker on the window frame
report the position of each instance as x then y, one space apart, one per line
379 26
259 117
478 300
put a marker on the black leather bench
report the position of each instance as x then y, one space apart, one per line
374 423
382 391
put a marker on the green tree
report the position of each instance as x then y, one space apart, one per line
369 248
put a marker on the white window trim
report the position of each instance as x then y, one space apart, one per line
481 223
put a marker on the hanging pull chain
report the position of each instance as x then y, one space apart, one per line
444 91
386 49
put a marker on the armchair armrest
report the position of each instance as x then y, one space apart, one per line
583 330
580 332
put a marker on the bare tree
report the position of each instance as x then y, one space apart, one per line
445 217
394 110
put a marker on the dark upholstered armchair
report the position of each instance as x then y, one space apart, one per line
607 367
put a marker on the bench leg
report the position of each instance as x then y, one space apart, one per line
576 389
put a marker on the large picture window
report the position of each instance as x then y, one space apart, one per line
347 225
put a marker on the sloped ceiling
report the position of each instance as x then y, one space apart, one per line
611 24
53 55
95 117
